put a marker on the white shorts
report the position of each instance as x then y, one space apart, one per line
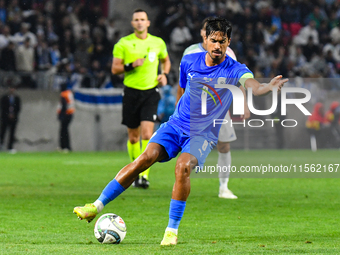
227 132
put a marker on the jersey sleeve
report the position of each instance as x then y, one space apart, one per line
183 74
163 52
245 77
118 50
244 73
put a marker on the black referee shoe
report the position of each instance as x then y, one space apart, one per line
136 182
143 183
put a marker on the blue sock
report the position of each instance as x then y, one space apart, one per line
111 191
176 211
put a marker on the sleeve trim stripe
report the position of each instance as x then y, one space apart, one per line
244 77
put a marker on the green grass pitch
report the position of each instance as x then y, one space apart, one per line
272 215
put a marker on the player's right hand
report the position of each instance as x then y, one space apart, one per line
138 62
278 82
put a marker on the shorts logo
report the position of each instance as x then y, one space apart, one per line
204 147
152 56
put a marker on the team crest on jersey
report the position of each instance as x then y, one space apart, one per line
206 79
152 56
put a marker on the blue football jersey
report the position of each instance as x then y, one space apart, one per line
205 98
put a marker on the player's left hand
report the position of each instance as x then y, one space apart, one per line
277 82
246 114
162 80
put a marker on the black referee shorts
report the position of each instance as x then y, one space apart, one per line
139 105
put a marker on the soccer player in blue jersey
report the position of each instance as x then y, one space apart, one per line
227 132
191 128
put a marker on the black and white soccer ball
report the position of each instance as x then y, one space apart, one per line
110 228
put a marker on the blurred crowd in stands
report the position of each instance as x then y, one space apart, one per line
288 37
72 37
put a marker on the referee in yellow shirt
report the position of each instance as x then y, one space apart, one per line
137 56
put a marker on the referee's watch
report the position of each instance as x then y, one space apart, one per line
128 67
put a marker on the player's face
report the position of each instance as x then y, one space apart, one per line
216 46
140 22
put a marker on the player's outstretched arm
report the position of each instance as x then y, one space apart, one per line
260 89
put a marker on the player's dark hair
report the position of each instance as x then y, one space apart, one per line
204 22
218 25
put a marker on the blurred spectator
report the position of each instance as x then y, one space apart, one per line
333 19
10 109
84 39
249 17
317 16
7 59
193 20
335 33
317 65
258 33
24 56
67 41
13 10
323 32
82 55
39 28
315 124
55 54
59 14
101 49
298 59
100 27
63 26
24 33
5 37
98 74
94 14
180 37
51 35
49 8
79 28
3 12
42 56
111 31
305 33
309 49
276 20
74 14
15 23
234 6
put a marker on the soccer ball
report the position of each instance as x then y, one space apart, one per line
110 228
